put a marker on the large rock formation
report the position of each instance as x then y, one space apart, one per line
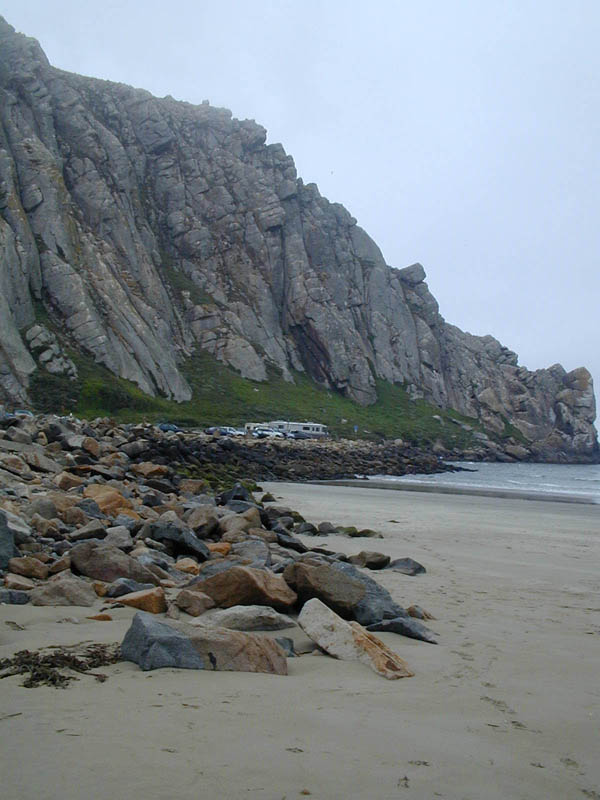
149 228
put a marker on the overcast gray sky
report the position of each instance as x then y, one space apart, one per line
463 134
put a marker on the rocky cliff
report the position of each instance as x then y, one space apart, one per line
148 228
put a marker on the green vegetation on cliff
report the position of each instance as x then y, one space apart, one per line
221 396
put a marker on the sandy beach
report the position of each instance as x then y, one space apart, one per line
506 706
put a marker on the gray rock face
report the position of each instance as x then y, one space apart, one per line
153 228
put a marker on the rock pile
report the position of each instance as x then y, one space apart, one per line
87 519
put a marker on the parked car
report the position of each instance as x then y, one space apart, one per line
23 413
299 435
227 430
267 433
168 427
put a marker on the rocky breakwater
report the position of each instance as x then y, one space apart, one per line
84 525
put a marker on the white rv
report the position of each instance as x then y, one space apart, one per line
313 429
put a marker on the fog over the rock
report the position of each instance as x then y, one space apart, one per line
463 135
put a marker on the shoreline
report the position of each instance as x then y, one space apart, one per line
475 491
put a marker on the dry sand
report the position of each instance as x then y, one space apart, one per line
506 706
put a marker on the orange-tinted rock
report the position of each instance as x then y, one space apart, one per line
12 581
100 588
109 500
247 586
64 562
222 548
151 600
187 565
101 617
66 481
148 469
90 445
29 567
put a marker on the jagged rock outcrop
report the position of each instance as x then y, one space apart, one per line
150 228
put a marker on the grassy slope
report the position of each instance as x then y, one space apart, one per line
221 396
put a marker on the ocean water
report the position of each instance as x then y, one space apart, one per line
581 481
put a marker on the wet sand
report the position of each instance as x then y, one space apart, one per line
506 706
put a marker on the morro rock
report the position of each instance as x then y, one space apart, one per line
150 228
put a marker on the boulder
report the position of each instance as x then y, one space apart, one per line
151 600
405 626
419 613
64 589
251 618
340 592
66 481
194 603
187 565
238 492
18 582
119 536
255 551
180 540
151 645
62 563
226 650
203 521
14 597
125 586
377 603
369 559
29 567
246 586
108 500
42 506
94 529
8 548
407 566
349 641
107 563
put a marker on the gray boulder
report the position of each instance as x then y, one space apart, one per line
64 589
14 597
152 645
407 566
107 563
405 626
126 586
8 548
376 604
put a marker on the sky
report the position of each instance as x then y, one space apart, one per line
463 134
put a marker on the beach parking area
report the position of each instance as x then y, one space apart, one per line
506 706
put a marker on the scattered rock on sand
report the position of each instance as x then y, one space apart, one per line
405 626
349 641
407 566
370 559
152 644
